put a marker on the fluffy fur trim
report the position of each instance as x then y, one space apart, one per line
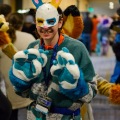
54 68
104 87
34 51
67 85
38 67
115 94
67 56
44 58
74 70
21 75
20 54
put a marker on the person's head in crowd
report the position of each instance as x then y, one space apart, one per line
94 16
30 16
32 12
118 11
16 21
6 10
29 19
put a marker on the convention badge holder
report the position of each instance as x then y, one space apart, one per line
43 104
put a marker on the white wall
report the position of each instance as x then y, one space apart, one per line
102 6
7 1
83 5
27 4
10 2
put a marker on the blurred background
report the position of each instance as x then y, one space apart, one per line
94 6
104 59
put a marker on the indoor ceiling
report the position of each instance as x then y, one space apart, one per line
102 6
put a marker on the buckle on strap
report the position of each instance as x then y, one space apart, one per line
64 111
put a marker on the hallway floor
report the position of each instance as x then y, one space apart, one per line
102 109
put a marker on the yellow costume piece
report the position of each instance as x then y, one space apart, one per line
73 22
9 50
5 41
104 86
4 25
56 3
111 90
73 26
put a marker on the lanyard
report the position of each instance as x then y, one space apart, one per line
53 57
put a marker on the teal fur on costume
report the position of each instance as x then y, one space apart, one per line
20 85
26 68
81 61
37 3
28 64
70 76
78 92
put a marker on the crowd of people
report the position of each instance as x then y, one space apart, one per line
96 35
51 76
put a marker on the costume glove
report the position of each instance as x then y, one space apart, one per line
71 80
27 66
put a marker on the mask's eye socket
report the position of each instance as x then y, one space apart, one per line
51 21
40 21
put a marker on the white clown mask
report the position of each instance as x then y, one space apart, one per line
47 15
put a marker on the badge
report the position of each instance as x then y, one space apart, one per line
43 104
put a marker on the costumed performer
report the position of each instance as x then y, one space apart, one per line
55 71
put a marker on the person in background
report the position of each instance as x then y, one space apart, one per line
98 50
94 33
29 23
85 37
5 107
115 26
18 37
112 88
46 68
6 10
105 33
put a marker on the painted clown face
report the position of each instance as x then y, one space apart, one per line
47 16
